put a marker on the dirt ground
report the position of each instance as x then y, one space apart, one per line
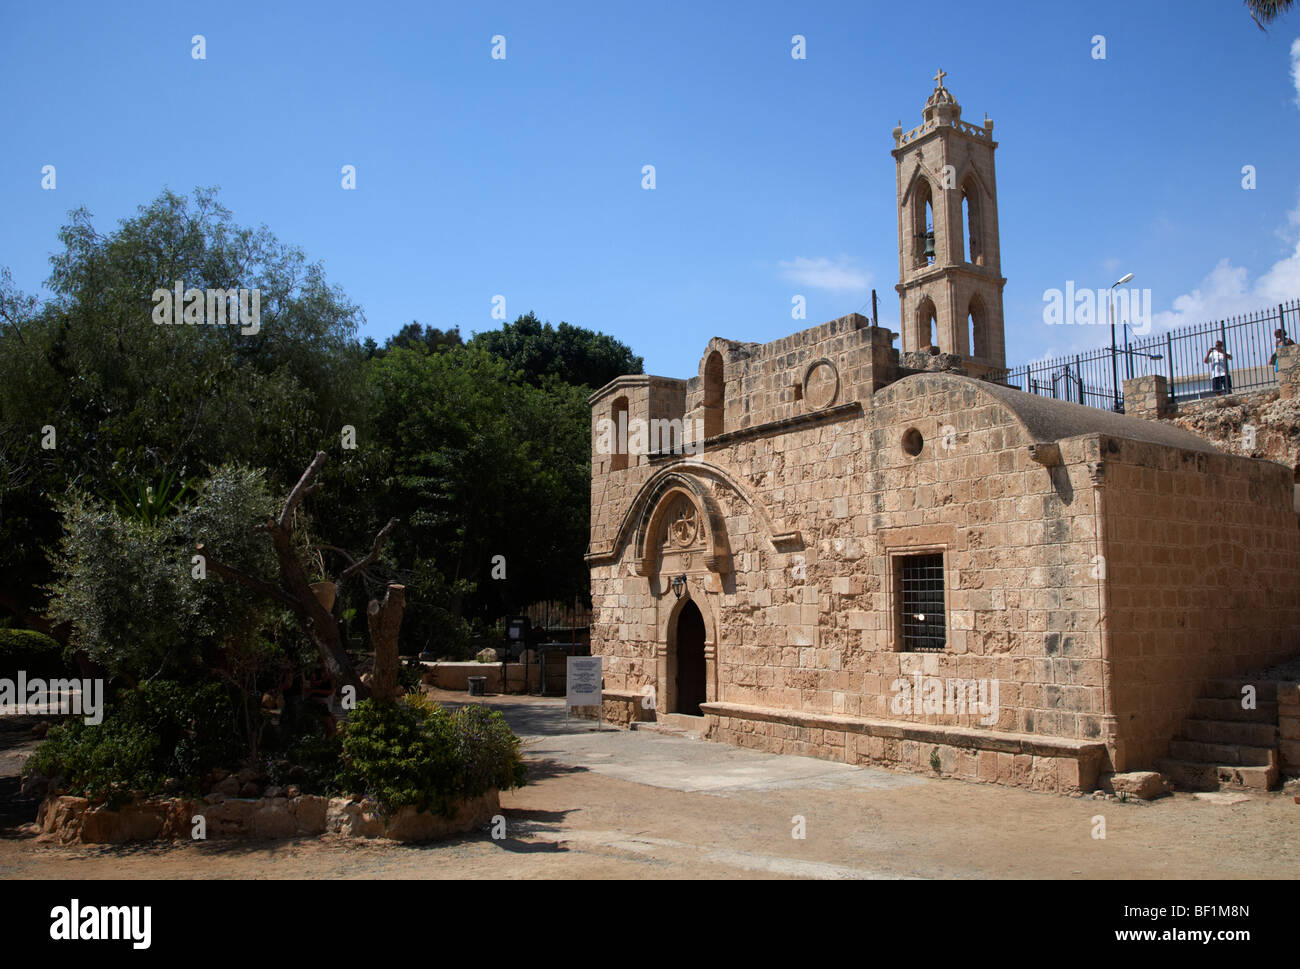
619 804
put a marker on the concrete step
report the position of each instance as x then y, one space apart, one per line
1229 687
1239 755
1220 708
1191 776
1231 732
673 725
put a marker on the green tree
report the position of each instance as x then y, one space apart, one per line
129 587
572 354
488 473
132 404
415 336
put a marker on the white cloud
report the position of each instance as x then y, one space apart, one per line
1227 290
1295 68
822 273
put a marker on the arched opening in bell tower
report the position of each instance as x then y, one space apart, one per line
976 328
926 324
923 225
970 219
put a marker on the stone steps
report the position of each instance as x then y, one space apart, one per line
1190 776
1231 732
1224 744
1201 752
1229 688
673 725
1222 708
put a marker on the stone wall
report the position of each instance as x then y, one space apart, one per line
1081 553
809 625
1288 727
74 820
455 676
1261 424
1203 577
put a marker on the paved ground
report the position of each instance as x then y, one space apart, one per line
642 805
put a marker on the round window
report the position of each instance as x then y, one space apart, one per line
912 441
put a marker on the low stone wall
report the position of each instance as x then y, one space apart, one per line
620 707
455 676
1288 727
74 820
1058 766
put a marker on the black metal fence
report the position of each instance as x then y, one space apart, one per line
1097 378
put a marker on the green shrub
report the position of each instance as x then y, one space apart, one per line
157 731
33 652
488 749
415 753
401 754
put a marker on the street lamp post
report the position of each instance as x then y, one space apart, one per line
1130 353
1114 349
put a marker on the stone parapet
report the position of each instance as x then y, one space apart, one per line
1147 397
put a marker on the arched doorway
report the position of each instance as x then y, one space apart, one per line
690 675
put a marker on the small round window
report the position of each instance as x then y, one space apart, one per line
912 441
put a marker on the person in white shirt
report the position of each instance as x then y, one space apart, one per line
1218 359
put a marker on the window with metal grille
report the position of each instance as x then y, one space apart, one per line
920 580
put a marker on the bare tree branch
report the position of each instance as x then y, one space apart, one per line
303 487
373 554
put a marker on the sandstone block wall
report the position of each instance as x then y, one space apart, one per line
1202 559
1097 569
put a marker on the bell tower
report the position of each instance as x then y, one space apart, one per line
949 261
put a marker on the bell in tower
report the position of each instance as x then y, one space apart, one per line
949 263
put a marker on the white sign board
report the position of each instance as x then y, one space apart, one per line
582 684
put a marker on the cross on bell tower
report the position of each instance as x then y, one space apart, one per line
949 259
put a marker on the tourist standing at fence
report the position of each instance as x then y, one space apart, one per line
1280 340
1218 358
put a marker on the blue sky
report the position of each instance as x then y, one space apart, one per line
522 177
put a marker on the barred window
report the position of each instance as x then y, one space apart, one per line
920 581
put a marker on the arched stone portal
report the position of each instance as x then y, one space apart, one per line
686 557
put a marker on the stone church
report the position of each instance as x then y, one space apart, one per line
871 553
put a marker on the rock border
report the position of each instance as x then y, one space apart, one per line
65 819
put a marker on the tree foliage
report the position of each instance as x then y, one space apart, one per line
571 354
124 443
132 404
